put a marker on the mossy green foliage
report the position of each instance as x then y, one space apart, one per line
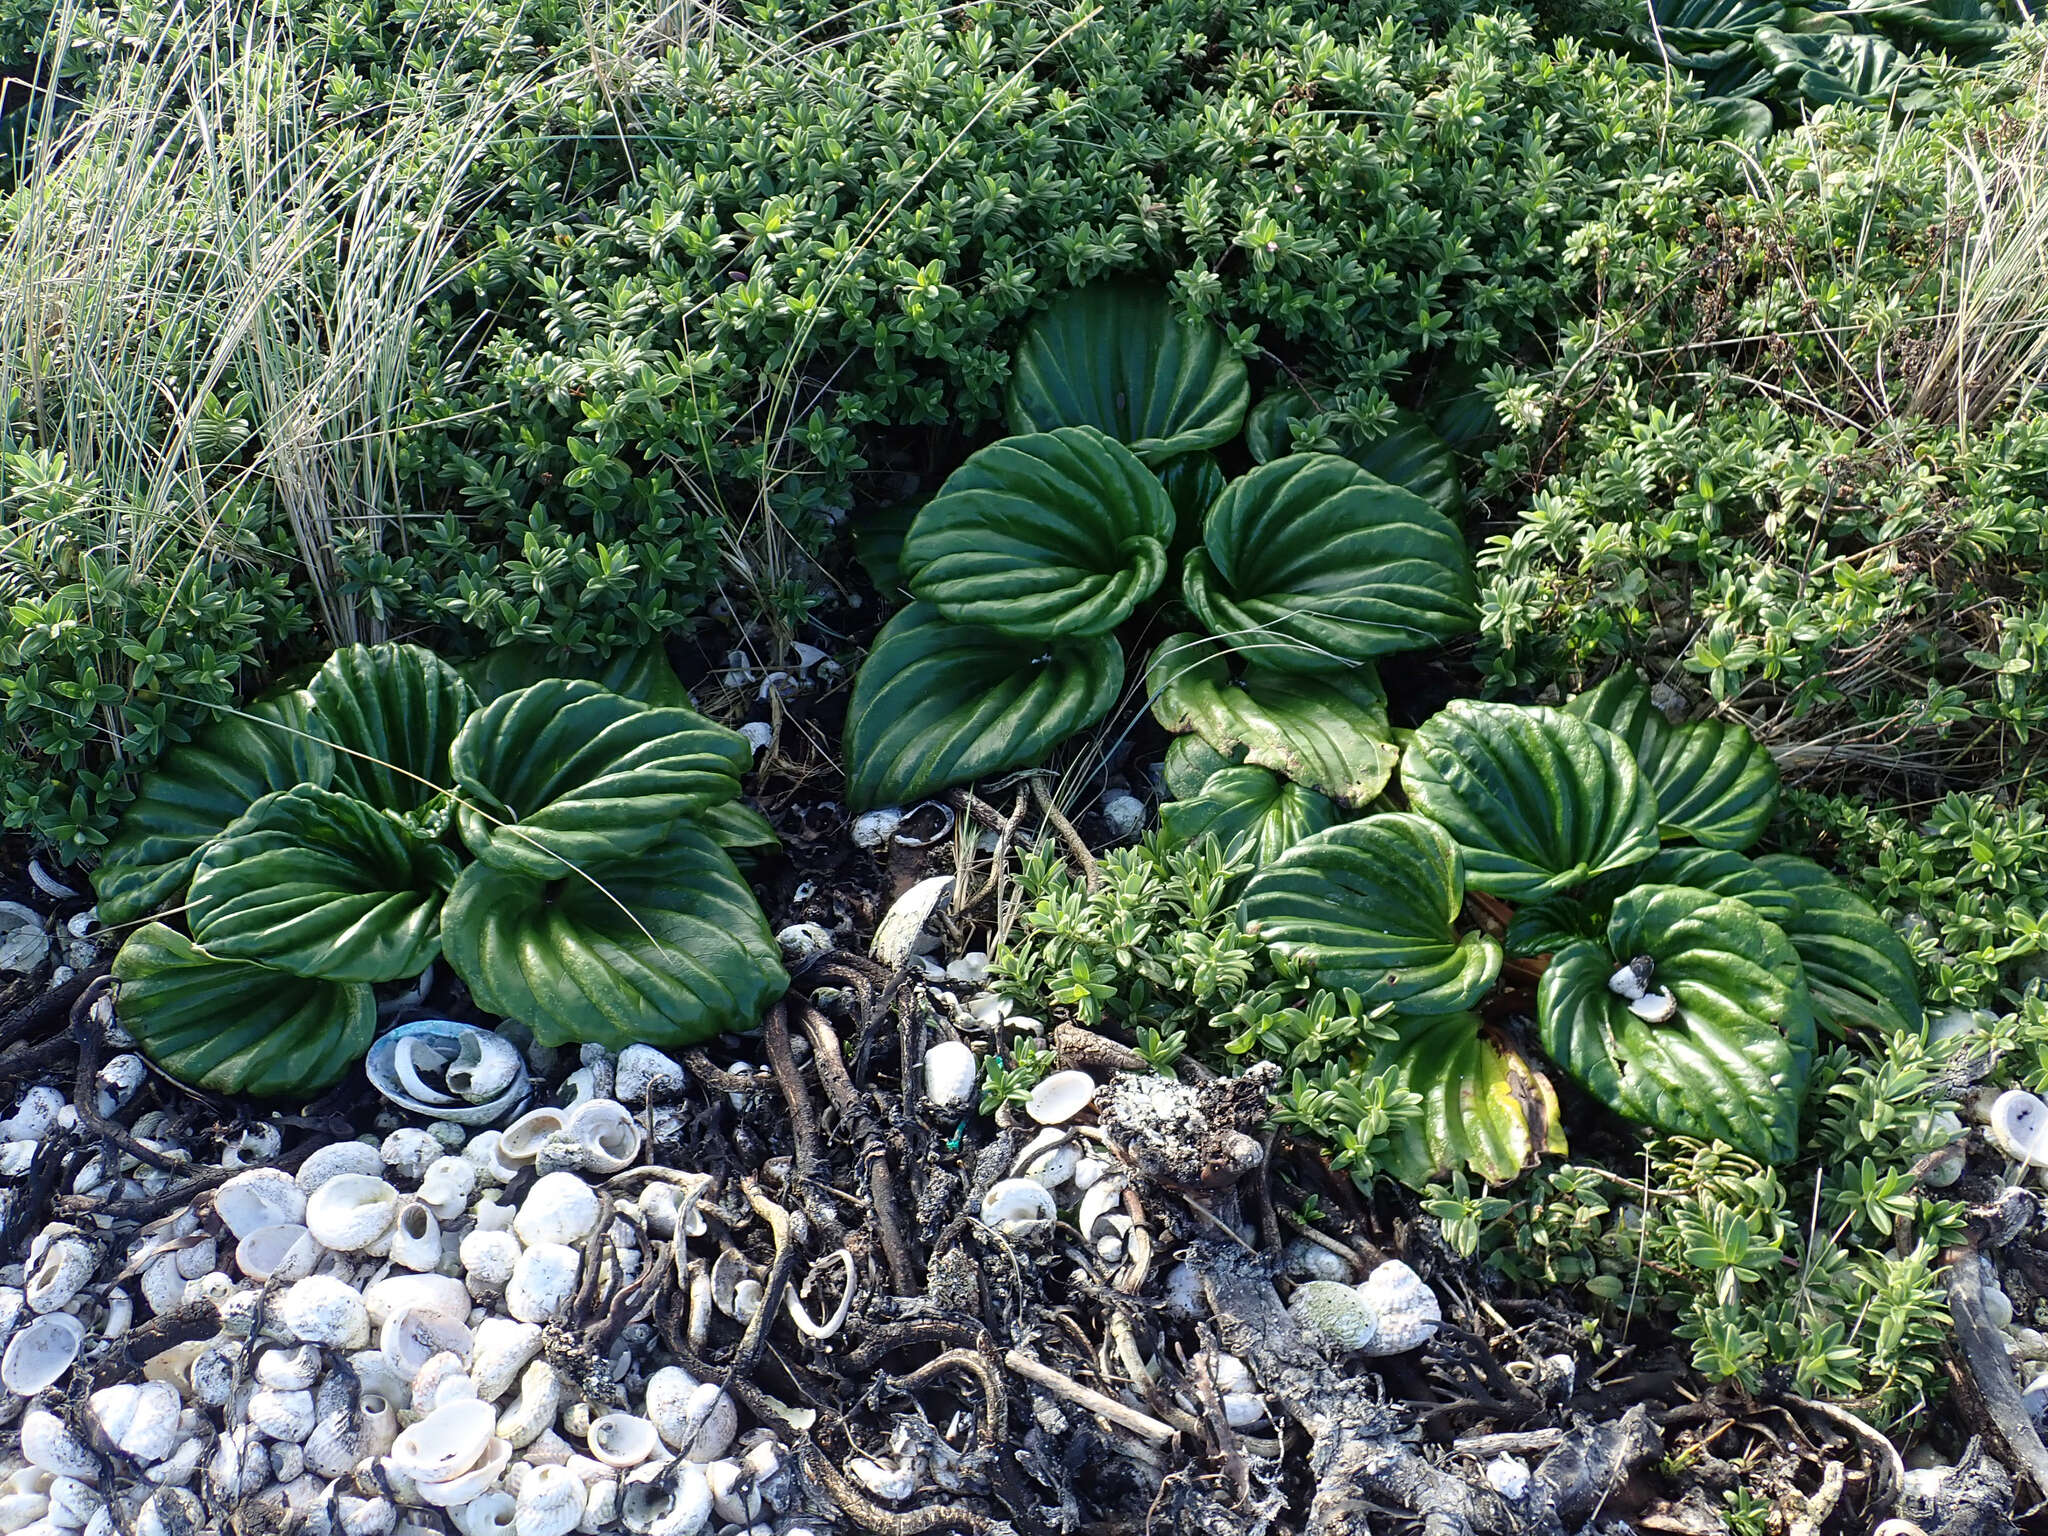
742 271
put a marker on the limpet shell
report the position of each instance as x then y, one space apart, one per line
1019 1208
41 1353
1060 1097
281 1253
896 936
560 1208
2019 1127
950 1069
1337 1316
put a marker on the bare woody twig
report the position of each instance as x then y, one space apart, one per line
1060 1385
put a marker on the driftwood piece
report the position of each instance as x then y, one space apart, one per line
1982 1373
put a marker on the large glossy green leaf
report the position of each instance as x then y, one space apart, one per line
1537 800
229 1026
639 672
1373 906
563 772
1327 733
1721 871
1730 1061
1189 762
1251 812
1856 68
1117 358
319 884
1057 535
201 786
1857 968
1715 783
1310 564
667 947
392 712
739 829
938 704
1408 454
1484 1108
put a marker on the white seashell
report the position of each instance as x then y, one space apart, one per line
1060 1097
1019 1208
57 1277
322 1310
1102 1200
950 1069
667 1403
379 1425
550 1502
35 1118
521 1141
488 1259
560 1208
1632 981
24 1511
2019 1127
542 1282
458 1491
734 1497
72 1503
600 1507
644 1073
334 1446
253 1146
281 1415
283 1253
1241 1410
211 1375
415 1236
622 1440
409 1339
1508 1476
441 1296
446 1443
41 1353
988 1009
488 1514
1054 1165
262 1197
1312 1261
728 1272
608 1135
1336 1316
897 935
1407 1309
447 1070
659 1500
885 1480
338 1158
501 1351
407 1151
874 829
801 943
350 1212
446 1186
711 1420
46 1443
198 1257
540 1397
969 970
1654 1007
1122 812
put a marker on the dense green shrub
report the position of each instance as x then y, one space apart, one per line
718 285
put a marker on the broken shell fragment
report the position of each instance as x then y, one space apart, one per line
1060 1097
1019 1208
444 1069
896 936
2019 1127
1654 1007
1632 980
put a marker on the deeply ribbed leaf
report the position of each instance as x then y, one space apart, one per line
1189 762
319 884
1310 564
1329 734
1537 800
1731 1062
1833 67
1715 783
667 947
1251 812
1723 872
392 712
201 786
229 1026
938 704
564 773
642 673
1484 1108
1373 906
1115 357
1057 535
1858 969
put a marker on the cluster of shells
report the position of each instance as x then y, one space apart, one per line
382 1349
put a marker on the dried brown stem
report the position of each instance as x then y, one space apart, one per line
876 1162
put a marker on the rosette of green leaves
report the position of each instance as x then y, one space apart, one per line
1055 535
1310 564
1327 733
1714 782
1728 1059
1372 906
1117 358
938 703
1537 800
564 772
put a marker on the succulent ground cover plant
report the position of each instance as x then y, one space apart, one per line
563 847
